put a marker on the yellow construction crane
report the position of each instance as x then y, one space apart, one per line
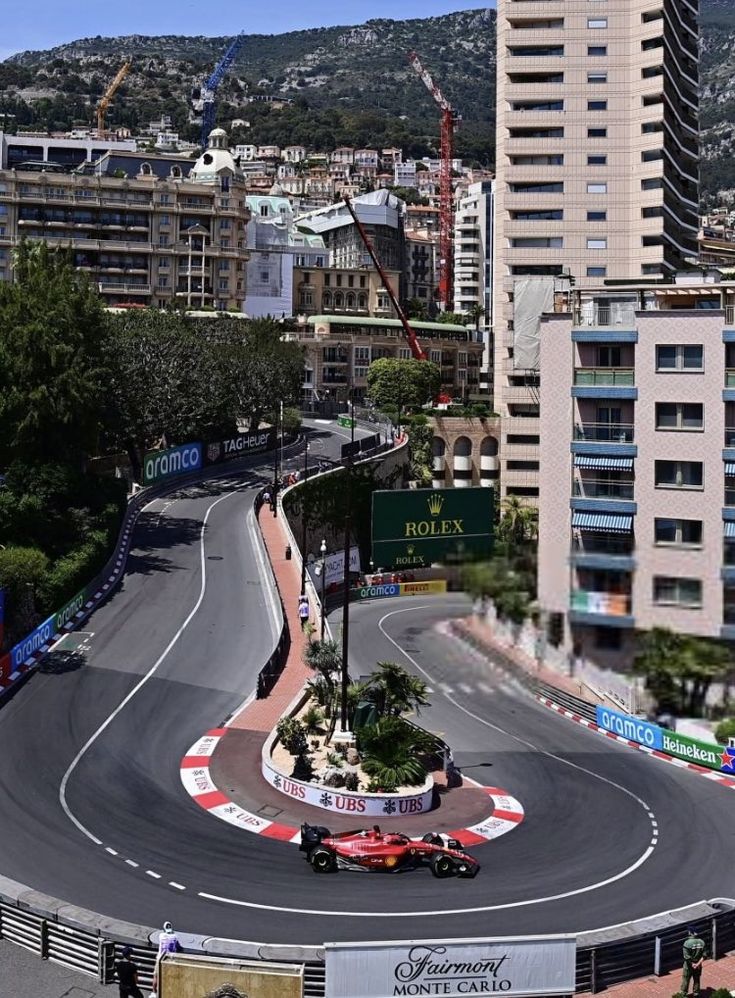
108 95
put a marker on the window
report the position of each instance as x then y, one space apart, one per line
651 268
548 159
652 43
608 357
264 275
596 22
537 270
537 242
671 591
596 216
264 210
597 272
597 105
650 99
362 354
164 263
651 15
163 240
682 533
162 281
597 77
649 155
223 265
544 51
531 187
678 474
522 465
656 211
543 215
597 188
165 220
534 105
339 280
597 50
327 280
596 160
596 133
652 184
225 223
679 416
523 438
536 133
608 638
680 358
651 126
651 241
597 244
223 284
648 72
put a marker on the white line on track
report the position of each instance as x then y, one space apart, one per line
152 873
179 887
266 572
484 688
151 672
480 908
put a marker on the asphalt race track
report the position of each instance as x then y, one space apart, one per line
124 838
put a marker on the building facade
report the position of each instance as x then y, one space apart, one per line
145 231
596 159
637 482
473 262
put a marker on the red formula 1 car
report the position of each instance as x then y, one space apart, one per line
388 852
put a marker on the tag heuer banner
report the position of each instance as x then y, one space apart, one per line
417 527
536 965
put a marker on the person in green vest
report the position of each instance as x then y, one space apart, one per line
693 960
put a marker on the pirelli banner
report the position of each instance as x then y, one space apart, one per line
534 965
416 528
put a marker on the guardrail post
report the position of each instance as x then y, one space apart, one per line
657 957
44 939
105 961
714 938
593 971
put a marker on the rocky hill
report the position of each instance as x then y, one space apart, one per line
346 85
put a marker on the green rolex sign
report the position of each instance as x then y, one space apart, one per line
418 527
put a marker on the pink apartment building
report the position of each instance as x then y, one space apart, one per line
637 479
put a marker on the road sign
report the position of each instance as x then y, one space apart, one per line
344 421
418 527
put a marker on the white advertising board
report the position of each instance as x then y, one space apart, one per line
334 566
536 965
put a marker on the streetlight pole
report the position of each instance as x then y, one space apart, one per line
276 482
346 575
305 486
323 550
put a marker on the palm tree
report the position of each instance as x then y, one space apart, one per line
475 313
519 522
398 691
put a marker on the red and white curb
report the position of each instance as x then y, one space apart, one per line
195 775
710 774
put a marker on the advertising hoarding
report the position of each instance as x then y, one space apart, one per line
701 753
189 976
415 528
334 567
536 965
382 590
33 642
241 445
632 728
180 460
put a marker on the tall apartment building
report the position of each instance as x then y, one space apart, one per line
637 427
473 262
596 170
147 229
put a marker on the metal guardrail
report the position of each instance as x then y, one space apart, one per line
576 705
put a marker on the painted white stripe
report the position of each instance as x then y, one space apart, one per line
179 887
485 687
464 688
131 862
156 876
112 852
447 690
151 672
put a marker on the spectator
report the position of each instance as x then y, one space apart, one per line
693 960
126 971
167 943
303 611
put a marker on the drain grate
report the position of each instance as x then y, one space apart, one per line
268 811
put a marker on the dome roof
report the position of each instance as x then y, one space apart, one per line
215 160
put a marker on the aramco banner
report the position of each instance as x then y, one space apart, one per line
180 460
417 527
536 965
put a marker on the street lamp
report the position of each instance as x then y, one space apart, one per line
346 574
323 551
304 487
276 481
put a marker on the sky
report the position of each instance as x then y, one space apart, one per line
41 24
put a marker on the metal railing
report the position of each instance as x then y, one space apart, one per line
730 377
597 489
614 433
729 315
730 436
605 315
591 543
606 604
604 376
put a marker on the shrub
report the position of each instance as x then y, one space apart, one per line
335 759
721 993
389 753
724 730
378 786
70 573
292 735
312 720
352 781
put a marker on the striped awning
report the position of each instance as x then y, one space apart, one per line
729 528
607 463
729 468
607 523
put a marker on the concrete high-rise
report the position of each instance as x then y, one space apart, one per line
596 173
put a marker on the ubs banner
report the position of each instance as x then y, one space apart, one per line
418 527
538 965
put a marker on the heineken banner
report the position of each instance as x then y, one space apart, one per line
417 527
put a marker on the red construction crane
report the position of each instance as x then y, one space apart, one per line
411 337
446 200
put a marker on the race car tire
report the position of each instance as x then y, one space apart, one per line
322 860
442 865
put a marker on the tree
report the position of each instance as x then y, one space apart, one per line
22 570
474 314
51 370
519 523
680 668
420 436
397 690
396 384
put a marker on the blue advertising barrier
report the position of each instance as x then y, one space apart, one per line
174 461
629 727
33 642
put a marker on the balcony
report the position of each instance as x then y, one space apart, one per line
729 497
730 436
113 287
600 608
730 377
730 315
600 489
604 376
613 433
600 316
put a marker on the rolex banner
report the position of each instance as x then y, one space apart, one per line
535 965
418 527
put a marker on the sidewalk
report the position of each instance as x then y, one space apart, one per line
715 974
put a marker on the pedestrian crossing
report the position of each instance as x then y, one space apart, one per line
508 687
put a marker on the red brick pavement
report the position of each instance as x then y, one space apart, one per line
715 974
262 715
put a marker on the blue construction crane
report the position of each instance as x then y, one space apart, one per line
209 90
